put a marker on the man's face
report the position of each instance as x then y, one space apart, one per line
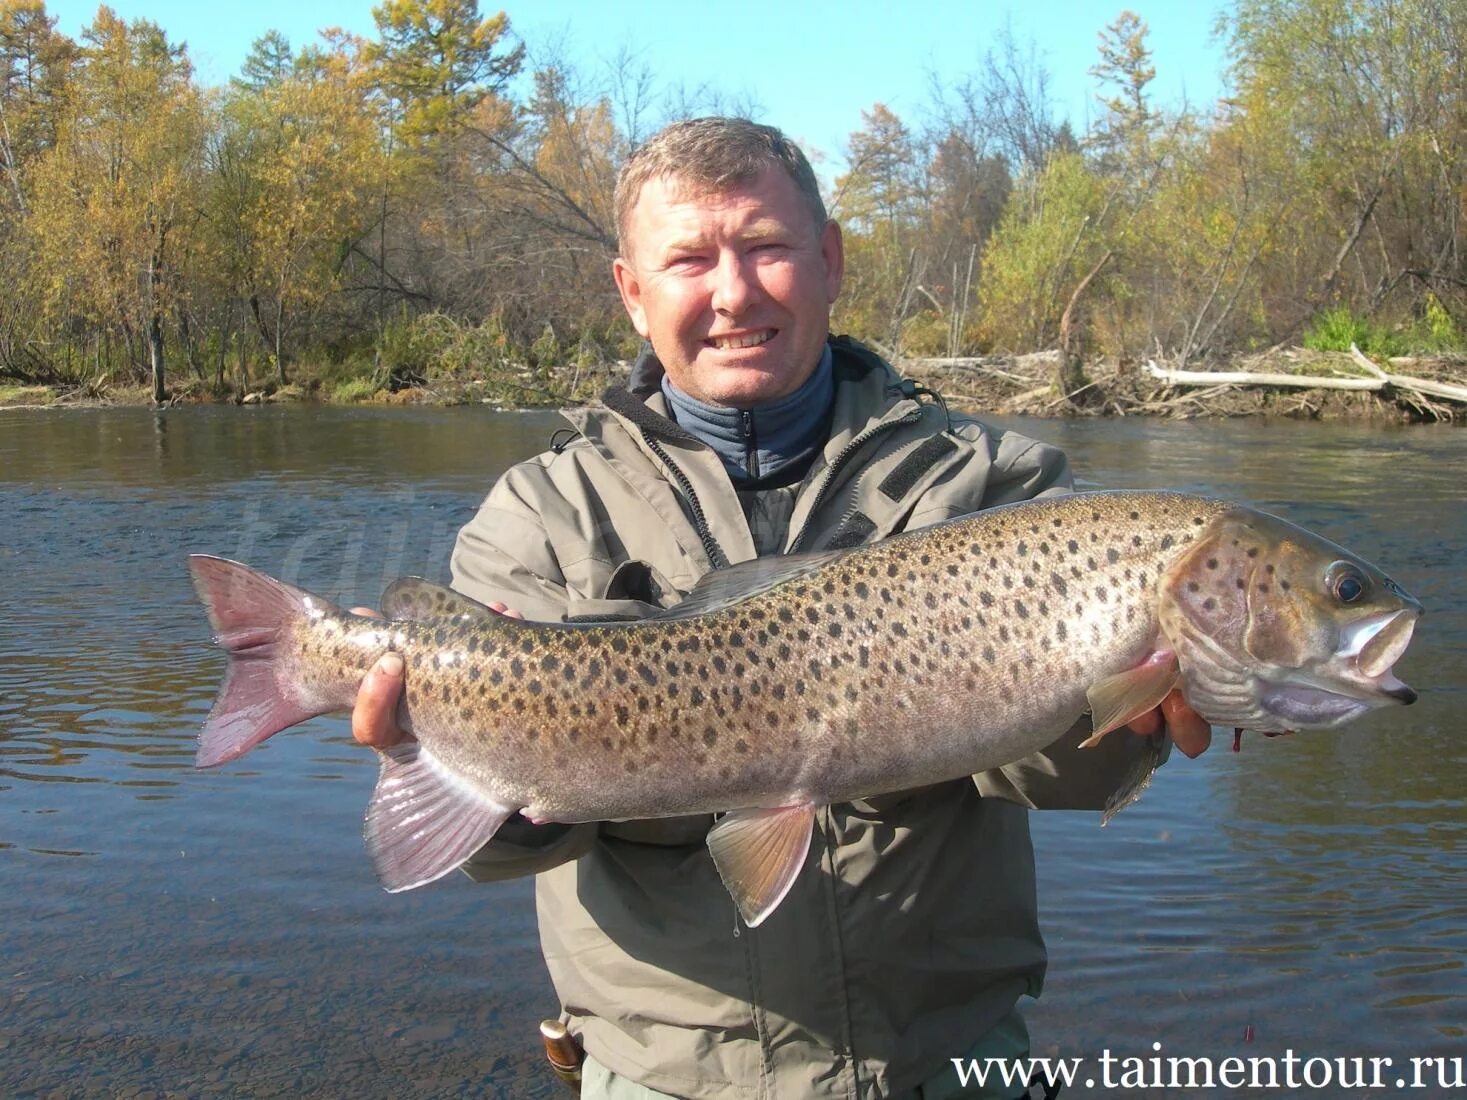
732 288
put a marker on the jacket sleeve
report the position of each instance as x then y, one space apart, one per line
1062 776
505 553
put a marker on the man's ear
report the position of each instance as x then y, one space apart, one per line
630 288
833 249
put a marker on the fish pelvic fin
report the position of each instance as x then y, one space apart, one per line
759 853
1117 699
250 614
423 821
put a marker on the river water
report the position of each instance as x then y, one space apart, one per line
169 931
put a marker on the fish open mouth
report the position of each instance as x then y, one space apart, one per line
1369 651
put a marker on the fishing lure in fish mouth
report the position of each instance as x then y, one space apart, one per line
781 685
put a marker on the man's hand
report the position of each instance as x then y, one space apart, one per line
1189 731
374 718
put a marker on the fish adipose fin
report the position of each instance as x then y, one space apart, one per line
1117 699
424 601
422 821
249 613
759 854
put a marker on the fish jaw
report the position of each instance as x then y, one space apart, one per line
1359 678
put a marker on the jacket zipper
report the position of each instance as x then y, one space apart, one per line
716 557
845 454
751 449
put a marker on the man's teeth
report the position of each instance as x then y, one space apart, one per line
750 340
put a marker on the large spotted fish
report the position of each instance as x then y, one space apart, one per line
784 684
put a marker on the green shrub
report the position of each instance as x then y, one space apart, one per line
355 389
1336 329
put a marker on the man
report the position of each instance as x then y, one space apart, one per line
749 431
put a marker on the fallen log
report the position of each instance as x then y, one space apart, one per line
1378 381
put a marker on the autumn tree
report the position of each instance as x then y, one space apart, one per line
112 196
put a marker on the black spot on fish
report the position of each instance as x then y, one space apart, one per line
811 714
619 674
618 643
710 736
1209 604
534 687
1193 586
777 690
1061 631
802 635
1022 548
473 674
1212 563
528 645
899 629
862 590
643 704
720 666
835 630
1253 551
517 668
549 662
1057 583
1135 515
496 677
985 599
812 615
1072 546
735 640
1020 609
892 570
671 668
1167 542
988 654
930 600
1003 633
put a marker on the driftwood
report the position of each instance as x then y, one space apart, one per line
1378 381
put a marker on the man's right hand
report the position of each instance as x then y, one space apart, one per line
374 718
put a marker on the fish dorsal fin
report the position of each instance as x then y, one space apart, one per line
759 854
424 601
725 587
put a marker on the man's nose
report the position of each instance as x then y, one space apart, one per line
734 287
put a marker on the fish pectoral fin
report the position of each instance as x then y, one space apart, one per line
426 601
1117 699
759 854
423 821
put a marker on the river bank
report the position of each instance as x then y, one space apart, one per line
1294 383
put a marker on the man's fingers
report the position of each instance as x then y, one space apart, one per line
1189 731
374 718
370 613
507 612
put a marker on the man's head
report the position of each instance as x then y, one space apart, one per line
728 262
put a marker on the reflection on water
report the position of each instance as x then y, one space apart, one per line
220 932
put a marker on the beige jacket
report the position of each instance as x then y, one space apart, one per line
917 930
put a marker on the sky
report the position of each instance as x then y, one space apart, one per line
809 66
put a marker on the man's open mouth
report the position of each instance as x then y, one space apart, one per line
740 340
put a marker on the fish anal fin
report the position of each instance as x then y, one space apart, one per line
423 821
759 853
1118 699
426 601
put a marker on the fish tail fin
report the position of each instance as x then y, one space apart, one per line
250 613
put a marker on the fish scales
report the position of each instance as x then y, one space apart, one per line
878 668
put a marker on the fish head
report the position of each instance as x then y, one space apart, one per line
1276 628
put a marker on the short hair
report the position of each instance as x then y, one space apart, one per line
713 154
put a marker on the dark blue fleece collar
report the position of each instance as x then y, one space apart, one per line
761 443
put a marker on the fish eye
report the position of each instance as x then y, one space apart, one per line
1345 582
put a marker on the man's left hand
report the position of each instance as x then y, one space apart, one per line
1189 731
